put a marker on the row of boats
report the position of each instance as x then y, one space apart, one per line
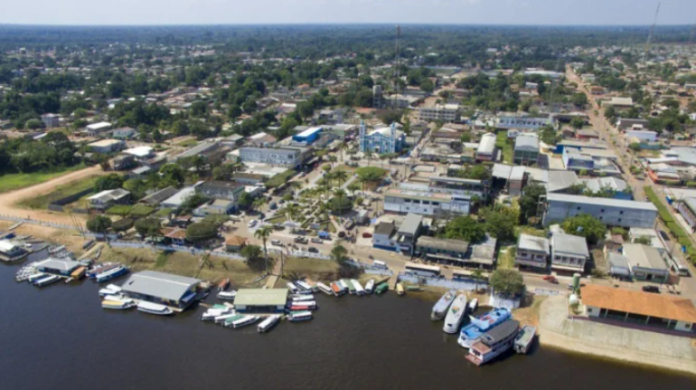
486 336
114 299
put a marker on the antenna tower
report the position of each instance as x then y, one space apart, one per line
652 30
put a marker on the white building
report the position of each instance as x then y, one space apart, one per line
642 135
439 112
486 150
273 156
51 120
425 202
96 129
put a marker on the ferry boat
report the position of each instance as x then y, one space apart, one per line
45 281
228 321
400 289
382 288
440 309
227 295
304 287
154 308
303 306
213 313
338 288
524 339
268 323
222 286
349 285
118 304
473 305
482 324
324 288
493 343
297 298
370 286
246 320
300 316
359 290
111 289
224 317
92 273
293 289
111 274
455 314
35 277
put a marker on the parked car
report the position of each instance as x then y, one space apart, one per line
273 206
317 240
341 234
252 223
312 249
550 279
301 240
276 243
367 235
651 289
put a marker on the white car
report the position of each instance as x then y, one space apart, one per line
252 223
276 243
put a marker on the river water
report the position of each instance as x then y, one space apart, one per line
59 337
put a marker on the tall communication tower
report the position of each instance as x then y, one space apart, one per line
396 68
652 30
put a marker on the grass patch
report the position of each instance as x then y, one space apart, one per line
672 225
42 202
161 260
141 211
278 219
505 146
308 266
15 181
119 209
280 179
163 213
188 143
506 258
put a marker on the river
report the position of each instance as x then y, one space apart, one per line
59 337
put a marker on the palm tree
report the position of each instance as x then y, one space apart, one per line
257 203
332 159
477 274
363 181
262 234
368 154
340 176
341 147
292 210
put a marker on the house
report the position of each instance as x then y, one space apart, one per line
526 149
587 134
216 189
140 153
408 233
568 253
512 121
175 201
618 187
443 250
641 135
382 236
592 160
382 140
486 150
235 244
57 266
216 207
96 129
630 123
157 197
107 146
262 140
646 262
286 157
532 252
175 235
108 198
210 151
637 307
612 212
619 102
259 300
51 120
159 287
618 266
123 133
483 253
10 251
123 162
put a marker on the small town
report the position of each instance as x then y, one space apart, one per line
535 196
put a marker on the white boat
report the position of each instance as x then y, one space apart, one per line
455 315
154 308
300 316
111 289
443 304
212 314
307 304
359 290
244 321
221 319
227 295
473 305
304 286
111 274
118 304
303 298
324 288
46 280
115 297
268 323
493 343
34 277
370 286
293 289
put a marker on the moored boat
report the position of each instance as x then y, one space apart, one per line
455 314
222 318
440 309
118 304
212 314
359 290
227 295
494 342
37 276
305 287
370 286
92 273
349 285
268 323
45 281
482 324
324 288
473 305
382 288
111 289
230 320
79 273
111 274
300 316
154 308
338 288
246 320
293 289
222 286
296 298
524 339
400 289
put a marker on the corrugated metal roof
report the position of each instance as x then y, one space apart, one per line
261 297
159 285
577 199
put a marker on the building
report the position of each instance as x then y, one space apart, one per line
439 112
532 252
646 263
619 102
159 287
123 133
687 209
107 146
458 186
175 201
618 266
258 300
96 129
526 149
215 189
425 202
56 266
262 140
287 157
523 122
618 187
637 307
642 135
382 140
612 212
157 197
487 150
216 207
51 120
108 198
308 136
210 151
382 236
140 153
591 160
408 233
10 251
235 244
568 253
443 250
630 123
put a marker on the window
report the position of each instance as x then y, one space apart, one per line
578 208
621 212
602 210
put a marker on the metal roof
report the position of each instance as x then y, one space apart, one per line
569 244
527 142
446 244
560 180
644 256
577 199
60 264
411 224
533 243
159 285
261 297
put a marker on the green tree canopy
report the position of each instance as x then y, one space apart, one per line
108 182
201 231
99 224
465 228
148 227
507 282
585 225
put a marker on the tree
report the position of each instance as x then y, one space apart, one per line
577 123
476 172
340 204
122 225
339 254
507 282
136 186
253 254
585 225
501 222
99 224
465 228
201 231
245 200
263 233
645 240
148 227
108 182
579 99
340 177
609 112
548 135
477 274
192 201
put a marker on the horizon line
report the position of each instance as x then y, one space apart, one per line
293 24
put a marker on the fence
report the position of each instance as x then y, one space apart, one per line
441 281
36 222
57 205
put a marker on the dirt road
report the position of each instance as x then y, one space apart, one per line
8 200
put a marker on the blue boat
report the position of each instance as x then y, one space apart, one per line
111 274
478 326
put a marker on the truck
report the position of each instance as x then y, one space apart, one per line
324 235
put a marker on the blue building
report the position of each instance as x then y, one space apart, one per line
382 140
308 136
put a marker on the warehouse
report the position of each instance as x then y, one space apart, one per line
612 212
258 300
159 287
57 266
308 136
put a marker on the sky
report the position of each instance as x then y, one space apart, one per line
501 12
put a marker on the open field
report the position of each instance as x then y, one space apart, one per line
314 269
505 146
42 201
15 181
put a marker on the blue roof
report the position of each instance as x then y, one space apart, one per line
308 133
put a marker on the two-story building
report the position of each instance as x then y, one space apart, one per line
532 252
526 149
286 157
568 253
611 212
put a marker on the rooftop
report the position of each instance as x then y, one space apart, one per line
261 297
59 264
638 302
644 256
411 224
578 199
533 243
446 244
159 285
569 244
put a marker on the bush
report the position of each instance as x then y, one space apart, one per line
340 205
141 211
120 210
122 225
507 282
201 231
280 179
